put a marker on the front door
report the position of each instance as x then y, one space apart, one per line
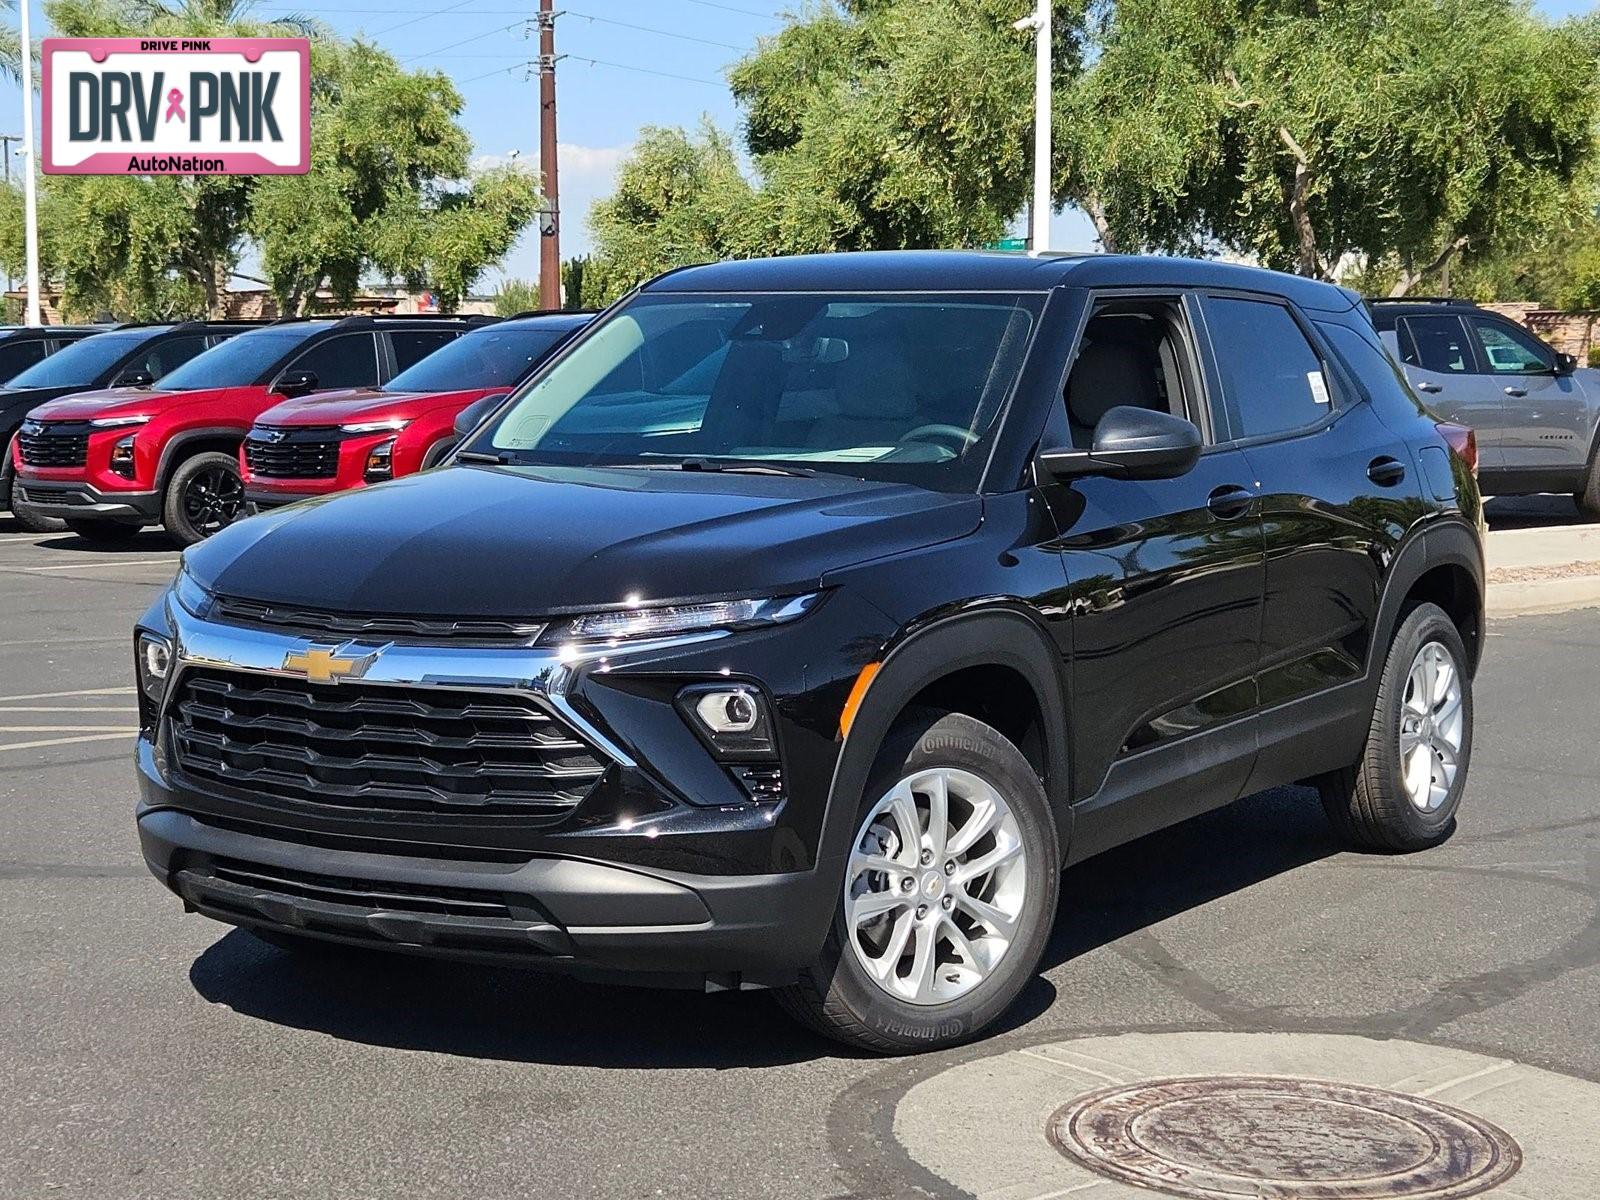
1545 435
1164 591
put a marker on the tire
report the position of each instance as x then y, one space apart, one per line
103 533
437 452
1588 498
1370 802
837 995
31 520
204 494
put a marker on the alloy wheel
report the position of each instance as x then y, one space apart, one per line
935 886
1432 725
212 499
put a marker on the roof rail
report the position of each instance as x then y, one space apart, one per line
553 312
461 318
1422 300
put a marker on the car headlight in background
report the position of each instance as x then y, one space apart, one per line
122 456
118 422
732 717
380 462
393 423
690 618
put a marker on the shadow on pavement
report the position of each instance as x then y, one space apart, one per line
1532 512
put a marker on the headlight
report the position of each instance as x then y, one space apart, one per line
380 462
122 456
373 426
191 597
690 618
153 664
117 422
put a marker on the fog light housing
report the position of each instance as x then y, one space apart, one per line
122 457
152 665
380 462
731 718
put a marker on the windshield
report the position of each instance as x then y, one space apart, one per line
902 387
486 358
241 360
83 362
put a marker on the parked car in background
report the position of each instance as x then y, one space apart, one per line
800 620
335 441
31 374
1536 413
110 462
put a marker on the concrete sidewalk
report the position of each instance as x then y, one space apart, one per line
1543 569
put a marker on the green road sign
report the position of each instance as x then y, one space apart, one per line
1010 243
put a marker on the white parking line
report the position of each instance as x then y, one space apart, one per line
67 741
113 691
105 562
60 729
64 708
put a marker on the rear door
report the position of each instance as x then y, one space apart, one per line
407 347
1441 364
1544 427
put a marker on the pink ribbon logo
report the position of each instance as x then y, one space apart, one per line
175 105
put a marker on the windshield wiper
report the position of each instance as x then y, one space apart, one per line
477 456
748 466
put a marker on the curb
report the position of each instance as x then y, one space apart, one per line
1527 597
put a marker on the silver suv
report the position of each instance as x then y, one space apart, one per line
1535 411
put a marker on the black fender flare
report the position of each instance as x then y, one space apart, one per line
171 453
1005 635
1446 541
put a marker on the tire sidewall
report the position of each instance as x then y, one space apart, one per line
953 740
1426 623
174 517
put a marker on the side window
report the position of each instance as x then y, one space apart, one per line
411 346
1377 373
1510 350
17 355
348 361
1273 380
167 355
1132 353
1435 344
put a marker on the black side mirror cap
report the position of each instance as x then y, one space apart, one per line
1131 443
296 383
1566 364
473 415
134 378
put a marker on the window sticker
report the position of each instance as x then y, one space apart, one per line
1319 386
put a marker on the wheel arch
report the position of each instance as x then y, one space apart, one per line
996 665
222 439
1440 564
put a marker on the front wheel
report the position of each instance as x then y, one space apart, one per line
1404 791
31 520
947 898
204 495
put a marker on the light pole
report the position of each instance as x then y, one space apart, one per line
30 199
1039 24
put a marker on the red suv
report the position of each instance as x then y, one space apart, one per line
170 454
339 440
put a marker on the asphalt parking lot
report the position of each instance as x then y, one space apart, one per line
147 1053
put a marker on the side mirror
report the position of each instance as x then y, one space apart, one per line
470 417
1131 443
296 383
137 377
1566 364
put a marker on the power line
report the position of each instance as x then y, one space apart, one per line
464 41
423 17
749 12
600 62
683 37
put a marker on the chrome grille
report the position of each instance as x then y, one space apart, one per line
312 623
59 444
363 747
292 453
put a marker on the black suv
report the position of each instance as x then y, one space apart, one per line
801 619
129 356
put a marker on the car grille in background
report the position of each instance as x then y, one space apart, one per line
292 453
316 622
365 747
55 445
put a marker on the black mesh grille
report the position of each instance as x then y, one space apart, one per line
55 445
366 747
292 453
362 893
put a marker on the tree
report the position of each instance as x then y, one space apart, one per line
515 296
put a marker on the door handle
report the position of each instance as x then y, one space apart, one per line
1385 471
1516 391
1425 386
1230 501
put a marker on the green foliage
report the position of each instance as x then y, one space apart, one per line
514 296
573 272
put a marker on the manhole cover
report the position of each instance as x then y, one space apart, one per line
1230 1137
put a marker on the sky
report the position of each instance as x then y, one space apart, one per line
628 63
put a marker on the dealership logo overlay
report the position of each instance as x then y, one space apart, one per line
170 106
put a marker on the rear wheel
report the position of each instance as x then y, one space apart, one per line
204 495
1404 791
105 533
947 898
1588 499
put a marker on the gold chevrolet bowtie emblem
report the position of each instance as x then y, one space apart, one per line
324 664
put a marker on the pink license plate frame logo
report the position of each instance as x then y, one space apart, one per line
174 150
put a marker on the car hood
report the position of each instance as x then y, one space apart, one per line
519 541
103 402
355 404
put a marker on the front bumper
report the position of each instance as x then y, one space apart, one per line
85 502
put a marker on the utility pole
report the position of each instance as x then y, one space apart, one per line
30 199
1039 210
550 210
